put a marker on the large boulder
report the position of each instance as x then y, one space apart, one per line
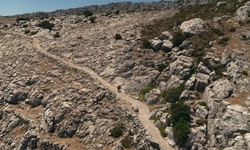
202 81
243 13
193 26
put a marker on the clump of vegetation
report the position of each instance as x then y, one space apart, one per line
25 26
57 35
245 73
217 31
223 41
22 19
178 38
162 128
145 90
27 31
146 44
118 36
117 131
126 142
181 131
180 118
46 25
88 13
161 67
92 19
172 95
232 29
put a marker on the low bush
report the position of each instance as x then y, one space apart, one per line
232 29
223 41
118 36
162 130
161 67
178 38
92 19
117 131
57 35
181 131
146 44
180 111
46 25
217 31
145 90
172 95
126 142
27 31
88 13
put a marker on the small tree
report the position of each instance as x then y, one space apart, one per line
117 131
178 38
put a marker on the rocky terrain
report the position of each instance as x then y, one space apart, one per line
158 79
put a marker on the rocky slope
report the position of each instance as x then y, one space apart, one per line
58 85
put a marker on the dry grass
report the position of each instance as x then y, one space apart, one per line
5 20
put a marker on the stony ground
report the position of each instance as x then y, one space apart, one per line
49 100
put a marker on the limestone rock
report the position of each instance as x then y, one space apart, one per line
165 36
152 96
167 46
193 26
156 44
242 14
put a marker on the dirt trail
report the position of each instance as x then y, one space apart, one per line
143 108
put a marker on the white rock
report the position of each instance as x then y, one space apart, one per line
193 26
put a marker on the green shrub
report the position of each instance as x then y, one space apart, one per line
172 95
145 90
25 25
118 36
223 41
217 31
57 35
117 131
126 142
146 44
179 111
46 25
181 131
178 38
162 130
88 13
161 67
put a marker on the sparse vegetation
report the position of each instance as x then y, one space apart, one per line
57 35
146 44
118 36
162 130
217 31
181 131
117 131
23 19
232 29
172 95
161 67
145 90
27 31
223 41
178 38
200 122
126 142
92 19
88 13
46 25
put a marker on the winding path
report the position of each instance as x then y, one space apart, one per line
143 108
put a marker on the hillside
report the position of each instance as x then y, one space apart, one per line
120 76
